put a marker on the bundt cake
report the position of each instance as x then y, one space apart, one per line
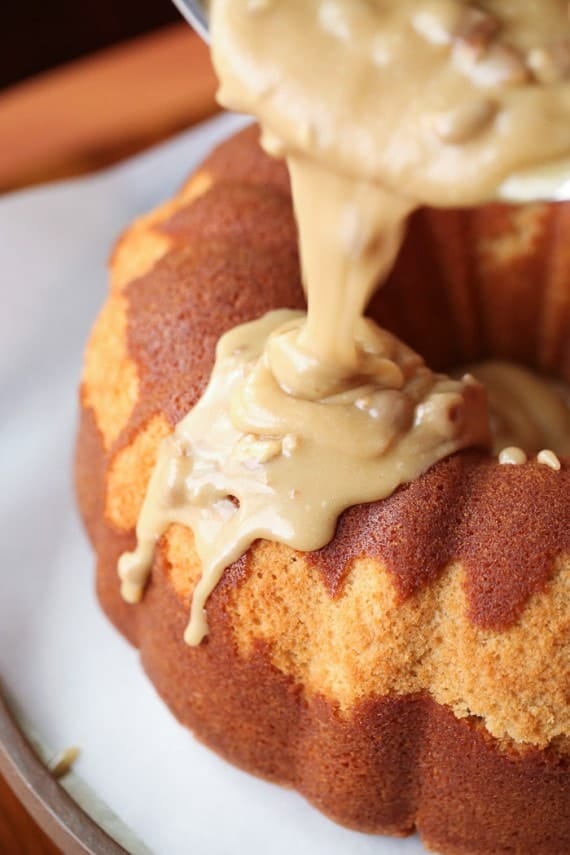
413 673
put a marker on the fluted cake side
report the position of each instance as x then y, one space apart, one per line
414 672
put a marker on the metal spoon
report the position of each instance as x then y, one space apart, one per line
549 183
196 13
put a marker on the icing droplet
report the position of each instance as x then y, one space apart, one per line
548 458
512 456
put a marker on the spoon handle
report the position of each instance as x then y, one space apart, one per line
196 14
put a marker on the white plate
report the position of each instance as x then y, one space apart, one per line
76 680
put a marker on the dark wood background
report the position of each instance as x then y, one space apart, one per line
41 34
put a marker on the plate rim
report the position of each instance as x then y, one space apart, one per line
64 821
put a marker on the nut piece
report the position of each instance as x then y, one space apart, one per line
551 63
475 31
548 458
391 408
290 444
258 5
273 145
499 66
443 412
254 451
437 21
63 763
512 456
466 121
334 19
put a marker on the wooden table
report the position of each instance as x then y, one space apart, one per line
77 119
103 108
18 832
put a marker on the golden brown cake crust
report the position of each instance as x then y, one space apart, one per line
385 751
395 764
467 509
